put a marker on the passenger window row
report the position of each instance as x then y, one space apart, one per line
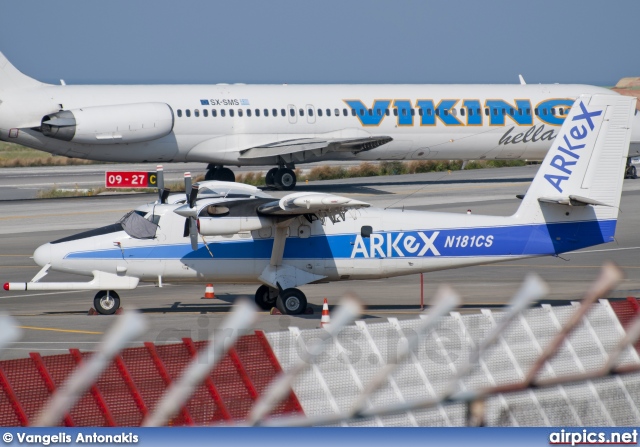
336 112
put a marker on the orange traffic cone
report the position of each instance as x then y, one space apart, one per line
209 292
325 319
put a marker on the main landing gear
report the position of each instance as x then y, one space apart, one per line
220 173
281 178
288 301
630 171
106 302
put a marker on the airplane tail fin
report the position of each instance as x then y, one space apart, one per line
581 177
12 79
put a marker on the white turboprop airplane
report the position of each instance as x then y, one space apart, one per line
283 125
241 235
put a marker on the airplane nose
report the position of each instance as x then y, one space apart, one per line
42 255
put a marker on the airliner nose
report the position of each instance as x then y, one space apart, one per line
42 255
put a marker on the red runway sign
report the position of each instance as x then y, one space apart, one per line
130 179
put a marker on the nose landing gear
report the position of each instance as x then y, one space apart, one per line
106 302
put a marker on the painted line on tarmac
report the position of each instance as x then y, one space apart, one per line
71 331
78 213
19 266
604 249
39 349
43 294
532 266
51 343
67 291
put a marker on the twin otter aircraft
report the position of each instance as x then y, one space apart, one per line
226 232
283 125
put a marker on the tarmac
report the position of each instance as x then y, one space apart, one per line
52 322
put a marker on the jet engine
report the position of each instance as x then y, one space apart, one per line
124 123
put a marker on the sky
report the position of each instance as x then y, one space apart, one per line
323 41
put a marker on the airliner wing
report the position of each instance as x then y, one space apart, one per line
304 148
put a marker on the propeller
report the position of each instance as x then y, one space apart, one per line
190 224
163 193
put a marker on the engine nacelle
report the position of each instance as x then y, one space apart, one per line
125 123
220 226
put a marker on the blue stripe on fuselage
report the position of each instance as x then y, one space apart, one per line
521 240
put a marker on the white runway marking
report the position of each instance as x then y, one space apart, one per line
65 291
604 249
42 294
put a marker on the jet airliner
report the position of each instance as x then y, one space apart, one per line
285 125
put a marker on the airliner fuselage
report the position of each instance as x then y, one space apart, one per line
283 125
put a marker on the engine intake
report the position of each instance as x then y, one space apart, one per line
126 123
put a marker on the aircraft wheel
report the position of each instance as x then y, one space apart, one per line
210 174
291 302
285 179
633 172
269 179
106 302
224 175
266 297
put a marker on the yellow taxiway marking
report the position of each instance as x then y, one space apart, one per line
78 213
73 331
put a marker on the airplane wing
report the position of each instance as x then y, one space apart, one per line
572 200
301 203
304 148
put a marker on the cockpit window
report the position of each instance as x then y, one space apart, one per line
113 228
150 216
137 226
133 223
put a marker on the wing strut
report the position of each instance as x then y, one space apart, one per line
278 242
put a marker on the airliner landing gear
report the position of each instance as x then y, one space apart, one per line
630 171
291 302
220 173
269 179
283 177
266 297
106 302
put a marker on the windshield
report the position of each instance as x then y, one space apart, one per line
136 226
